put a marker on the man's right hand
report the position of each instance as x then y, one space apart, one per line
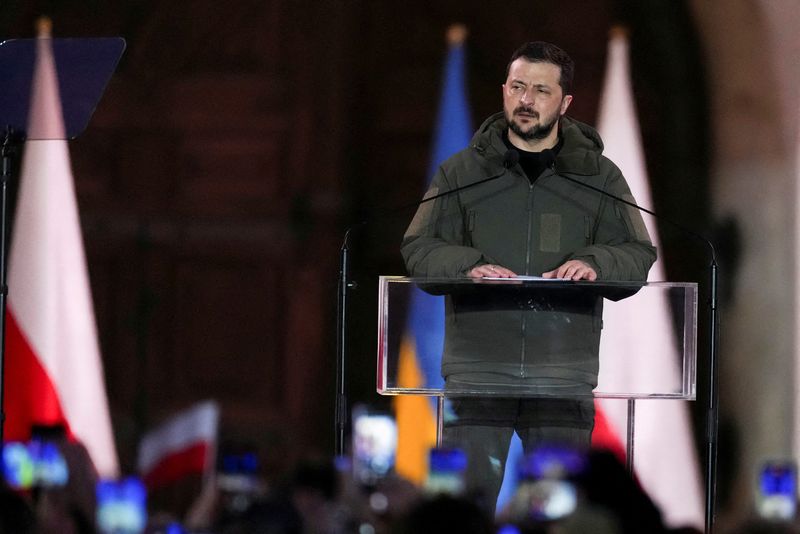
491 271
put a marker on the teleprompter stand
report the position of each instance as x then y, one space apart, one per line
83 68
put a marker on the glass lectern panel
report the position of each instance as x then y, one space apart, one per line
535 337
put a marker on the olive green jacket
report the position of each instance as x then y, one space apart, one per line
530 229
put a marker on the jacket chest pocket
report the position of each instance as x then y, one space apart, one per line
564 233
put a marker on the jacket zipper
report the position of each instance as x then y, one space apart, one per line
527 273
523 346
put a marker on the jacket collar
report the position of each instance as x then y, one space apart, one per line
579 155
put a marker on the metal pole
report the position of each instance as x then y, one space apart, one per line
712 421
630 435
341 351
439 419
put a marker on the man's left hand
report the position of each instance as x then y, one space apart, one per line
573 270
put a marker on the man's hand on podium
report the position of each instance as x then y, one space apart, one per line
491 271
573 270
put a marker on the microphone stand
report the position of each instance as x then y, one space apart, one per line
344 286
712 413
343 291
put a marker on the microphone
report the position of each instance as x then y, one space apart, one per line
680 227
510 158
712 408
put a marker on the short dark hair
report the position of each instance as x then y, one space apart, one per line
542 52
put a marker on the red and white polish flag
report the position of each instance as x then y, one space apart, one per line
182 445
638 345
54 372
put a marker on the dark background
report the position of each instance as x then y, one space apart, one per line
237 141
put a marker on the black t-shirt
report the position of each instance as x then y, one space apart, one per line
534 163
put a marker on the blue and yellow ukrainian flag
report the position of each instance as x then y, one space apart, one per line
423 339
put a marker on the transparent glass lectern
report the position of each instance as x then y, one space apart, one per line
637 340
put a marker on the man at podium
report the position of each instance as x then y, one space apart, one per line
525 365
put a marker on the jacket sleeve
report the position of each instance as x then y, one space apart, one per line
433 245
621 249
